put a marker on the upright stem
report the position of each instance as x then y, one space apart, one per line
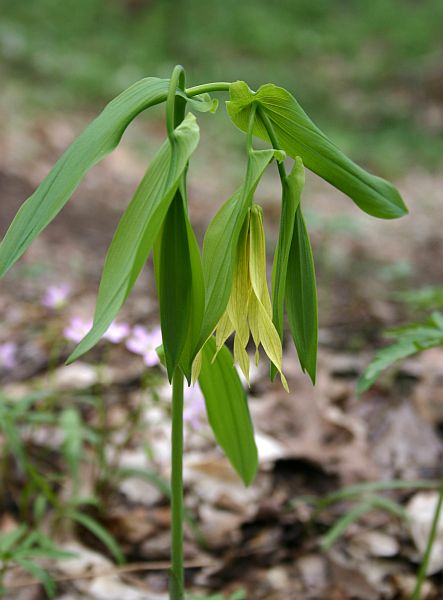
177 580
421 576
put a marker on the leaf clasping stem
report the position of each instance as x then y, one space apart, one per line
174 116
274 141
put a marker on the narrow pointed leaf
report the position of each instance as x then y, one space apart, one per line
180 285
411 339
96 141
228 411
220 243
138 229
299 136
301 297
175 283
291 195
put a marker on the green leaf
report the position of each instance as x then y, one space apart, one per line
96 141
220 243
10 539
174 275
298 136
228 411
73 436
301 297
180 286
100 533
291 196
410 339
139 228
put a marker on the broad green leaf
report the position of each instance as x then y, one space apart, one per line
298 136
220 243
139 228
180 283
411 339
191 346
228 411
301 297
291 196
175 279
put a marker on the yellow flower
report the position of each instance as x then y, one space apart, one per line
249 309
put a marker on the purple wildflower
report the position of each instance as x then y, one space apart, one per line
144 342
56 296
77 329
194 408
8 360
117 332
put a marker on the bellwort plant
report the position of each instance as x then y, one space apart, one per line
205 297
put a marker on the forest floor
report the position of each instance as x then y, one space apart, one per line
269 539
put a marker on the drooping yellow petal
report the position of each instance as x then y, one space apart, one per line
224 329
239 299
260 313
196 366
257 258
241 356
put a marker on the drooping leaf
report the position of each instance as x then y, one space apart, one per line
96 141
174 275
410 339
220 243
180 284
299 136
301 297
228 411
291 196
139 228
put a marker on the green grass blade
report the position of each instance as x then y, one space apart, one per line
343 523
10 539
228 412
96 141
40 574
100 533
298 136
139 228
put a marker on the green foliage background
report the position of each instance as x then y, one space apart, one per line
371 69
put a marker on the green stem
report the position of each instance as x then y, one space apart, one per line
207 88
177 579
421 575
274 141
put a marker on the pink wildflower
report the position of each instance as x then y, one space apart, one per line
8 360
195 407
117 332
144 342
56 296
77 329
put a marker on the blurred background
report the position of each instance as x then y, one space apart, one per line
370 74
